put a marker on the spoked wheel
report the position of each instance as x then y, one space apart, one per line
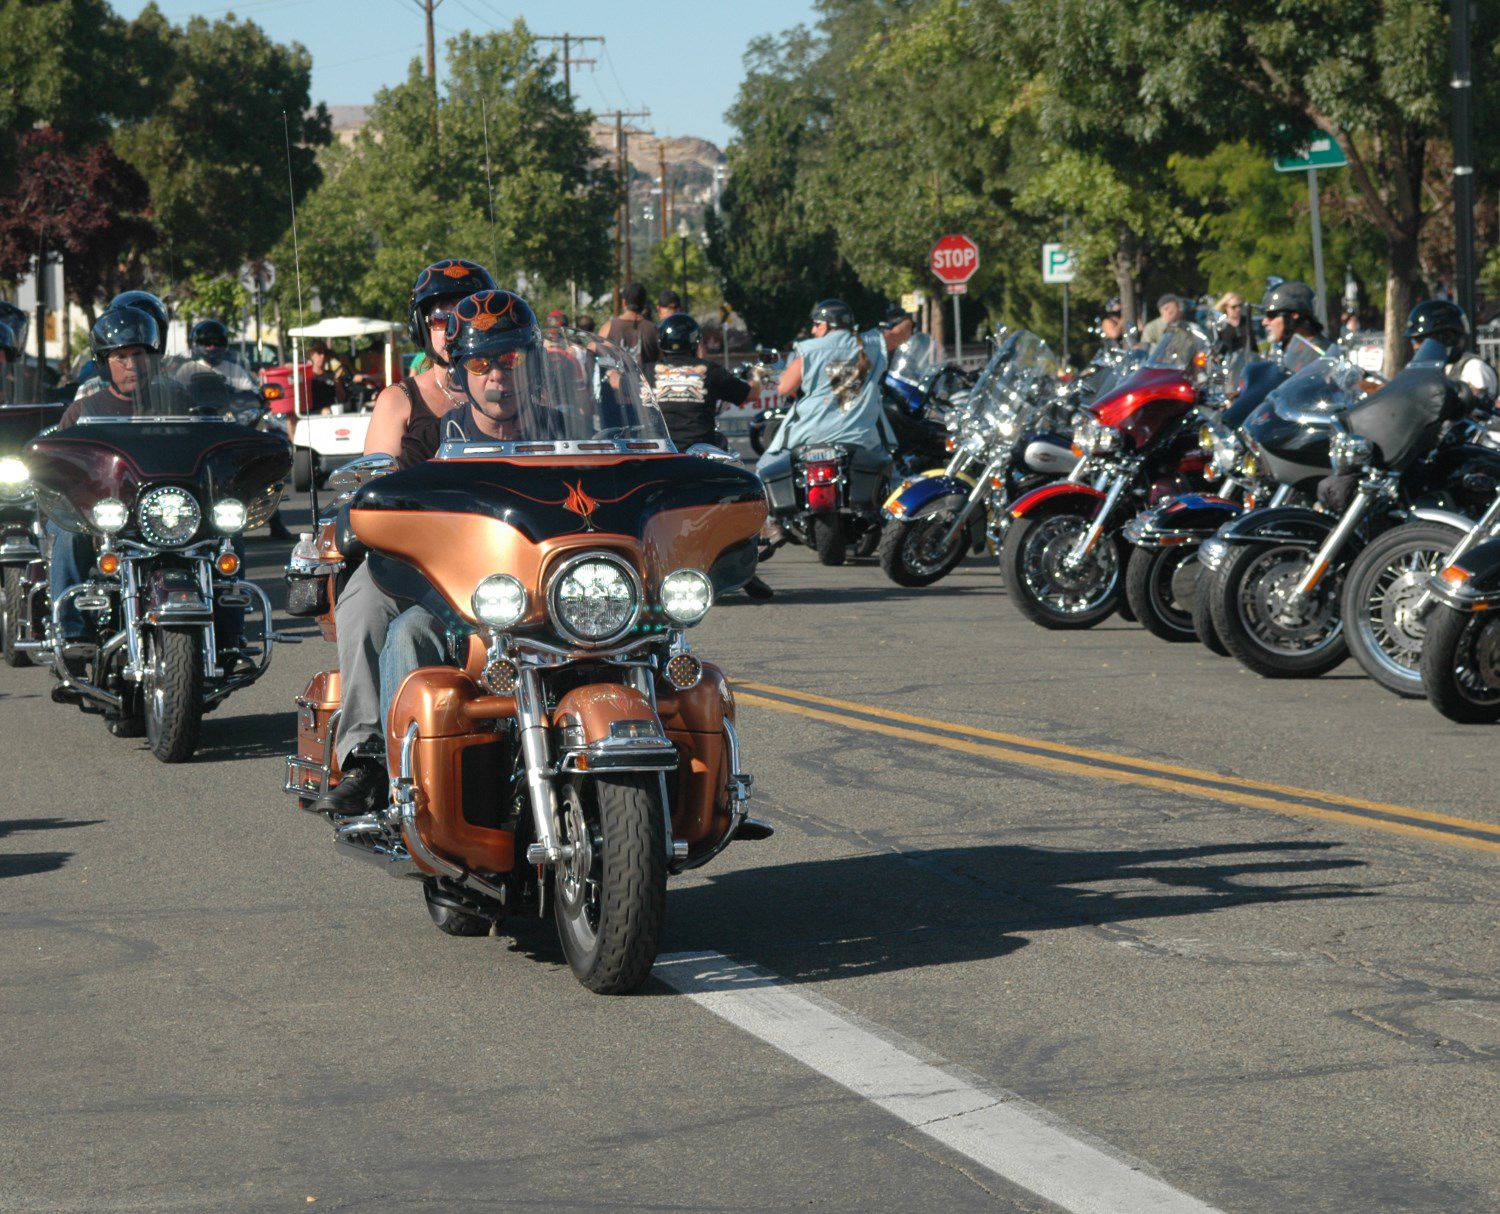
1461 664
1046 589
1160 585
1255 620
610 893
1381 593
1203 611
12 610
173 692
912 553
828 538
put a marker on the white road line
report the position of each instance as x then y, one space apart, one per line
996 1129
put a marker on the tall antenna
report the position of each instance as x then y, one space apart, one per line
489 186
291 197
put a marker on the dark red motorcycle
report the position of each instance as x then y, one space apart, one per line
1064 553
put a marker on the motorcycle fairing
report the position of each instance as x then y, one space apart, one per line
1192 516
1151 398
19 424
1280 525
1028 503
925 495
1261 378
1480 591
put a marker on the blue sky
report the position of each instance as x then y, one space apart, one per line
685 70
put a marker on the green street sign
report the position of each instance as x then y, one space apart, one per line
1318 153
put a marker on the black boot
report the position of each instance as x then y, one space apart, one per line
756 589
362 790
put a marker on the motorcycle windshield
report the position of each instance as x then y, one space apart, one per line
1019 367
569 391
163 436
914 359
1326 385
1181 348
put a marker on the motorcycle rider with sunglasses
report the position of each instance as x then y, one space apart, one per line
363 611
1290 311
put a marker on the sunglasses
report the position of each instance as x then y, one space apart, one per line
438 318
483 366
1274 315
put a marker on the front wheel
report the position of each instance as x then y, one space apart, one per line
1257 623
1203 612
1044 586
173 692
826 534
12 611
1381 593
1160 586
610 894
912 552
1461 664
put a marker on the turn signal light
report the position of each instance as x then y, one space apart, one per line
109 563
228 564
684 671
1454 576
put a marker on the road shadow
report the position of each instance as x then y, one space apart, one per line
826 920
14 826
28 864
258 735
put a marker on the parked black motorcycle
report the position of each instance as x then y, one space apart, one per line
1288 598
1461 650
20 528
163 496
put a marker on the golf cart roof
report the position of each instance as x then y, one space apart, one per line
345 326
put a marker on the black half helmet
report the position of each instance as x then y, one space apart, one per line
117 328
679 334
834 313
1292 296
150 304
1444 320
451 278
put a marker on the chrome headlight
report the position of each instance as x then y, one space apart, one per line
1225 452
499 601
229 515
109 515
1106 438
595 598
1349 451
13 477
1084 436
686 596
168 516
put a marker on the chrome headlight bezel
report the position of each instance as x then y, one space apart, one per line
496 591
109 515
229 515
558 613
1346 452
157 531
701 581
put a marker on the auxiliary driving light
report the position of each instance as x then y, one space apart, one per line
684 671
499 677
229 515
499 600
686 596
13 477
109 515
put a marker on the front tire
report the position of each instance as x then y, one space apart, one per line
908 553
174 692
1247 597
826 534
12 610
610 897
1383 587
1043 589
1203 612
1160 586
1461 664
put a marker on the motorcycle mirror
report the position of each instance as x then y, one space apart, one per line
349 477
709 451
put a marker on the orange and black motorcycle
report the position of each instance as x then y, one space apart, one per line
575 751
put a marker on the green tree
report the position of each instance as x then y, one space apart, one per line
214 149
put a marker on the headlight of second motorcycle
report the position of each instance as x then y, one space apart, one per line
594 599
14 479
1348 452
1106 438
1225 453
168 516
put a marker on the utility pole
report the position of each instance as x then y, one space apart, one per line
429 7
622 221
661 160
1463 156
567 60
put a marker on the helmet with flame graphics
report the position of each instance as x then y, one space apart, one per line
496 360
449 279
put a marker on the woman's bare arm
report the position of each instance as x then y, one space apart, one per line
388 423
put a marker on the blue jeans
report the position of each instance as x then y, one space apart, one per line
416 638
71 561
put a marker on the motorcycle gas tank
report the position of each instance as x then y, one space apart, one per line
1145 404
72 469
19 424
1295 452
1048 453
458 521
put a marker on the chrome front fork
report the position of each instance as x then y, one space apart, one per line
1330 548
1090 538
532 721
976 496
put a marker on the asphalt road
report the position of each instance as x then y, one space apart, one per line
1159 922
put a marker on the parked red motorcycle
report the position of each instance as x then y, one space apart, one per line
1064 553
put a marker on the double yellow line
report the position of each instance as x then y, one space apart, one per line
1122 769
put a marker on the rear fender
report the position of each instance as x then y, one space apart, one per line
1295 525
1063 494
926 495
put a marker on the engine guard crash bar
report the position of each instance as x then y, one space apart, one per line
739 803
105 651
300 770
263 661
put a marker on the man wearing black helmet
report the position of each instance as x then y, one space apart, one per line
412 401
689 388
208 341
142 301
1290 310
838 373
1449 324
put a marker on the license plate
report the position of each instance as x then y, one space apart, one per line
819 455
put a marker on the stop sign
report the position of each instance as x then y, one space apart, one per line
954 259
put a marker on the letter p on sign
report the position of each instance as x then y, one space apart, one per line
1057 263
